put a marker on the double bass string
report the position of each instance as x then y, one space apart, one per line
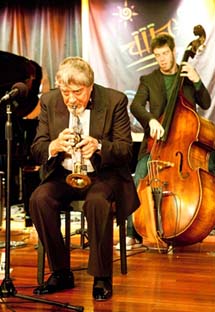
155 164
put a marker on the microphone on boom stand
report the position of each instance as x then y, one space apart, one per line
18 90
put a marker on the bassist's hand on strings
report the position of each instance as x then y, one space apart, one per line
187 70
156 129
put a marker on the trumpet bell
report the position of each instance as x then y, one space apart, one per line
77 180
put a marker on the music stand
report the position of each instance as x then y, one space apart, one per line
7 288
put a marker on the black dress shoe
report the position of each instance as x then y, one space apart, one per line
102 288
57 281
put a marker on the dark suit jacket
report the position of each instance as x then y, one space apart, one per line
109 122
151 99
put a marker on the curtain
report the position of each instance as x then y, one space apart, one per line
43 31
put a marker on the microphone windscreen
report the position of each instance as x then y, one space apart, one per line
22 89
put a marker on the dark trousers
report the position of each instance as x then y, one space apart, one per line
50 198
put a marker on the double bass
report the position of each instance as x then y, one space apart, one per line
178 192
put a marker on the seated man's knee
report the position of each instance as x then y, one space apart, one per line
37 199
97 205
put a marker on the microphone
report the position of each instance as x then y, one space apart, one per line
19 89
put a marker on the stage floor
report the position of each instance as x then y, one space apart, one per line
183 280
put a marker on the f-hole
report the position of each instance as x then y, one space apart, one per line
182 174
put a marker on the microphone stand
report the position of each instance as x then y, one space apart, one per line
7 288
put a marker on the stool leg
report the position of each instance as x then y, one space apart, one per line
123 257
67 235
40 263
83 233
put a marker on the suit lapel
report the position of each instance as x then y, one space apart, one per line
61 115
97 119
97 115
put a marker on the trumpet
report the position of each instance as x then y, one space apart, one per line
78 178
